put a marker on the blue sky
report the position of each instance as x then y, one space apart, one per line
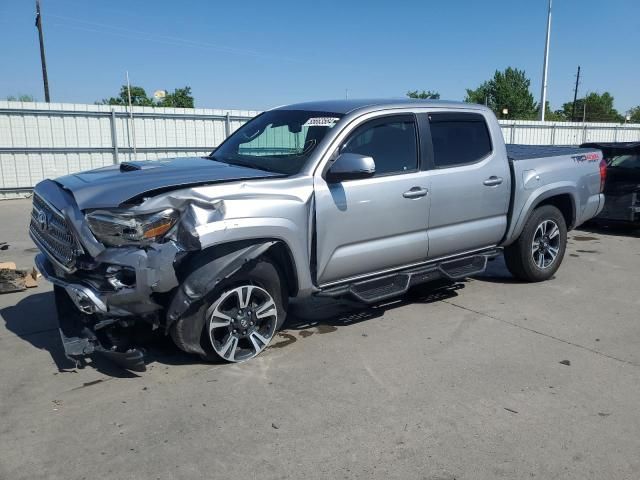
258 54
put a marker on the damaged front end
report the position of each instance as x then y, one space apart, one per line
113 270
97 308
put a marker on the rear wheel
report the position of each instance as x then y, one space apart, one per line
240 317
539 250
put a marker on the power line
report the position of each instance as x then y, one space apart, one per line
165 39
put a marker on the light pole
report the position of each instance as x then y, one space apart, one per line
545 66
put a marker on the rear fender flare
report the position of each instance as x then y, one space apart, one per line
536 199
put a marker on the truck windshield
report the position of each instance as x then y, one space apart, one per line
278 141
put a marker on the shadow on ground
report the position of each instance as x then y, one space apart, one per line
33 319
327 312
616 230
496 272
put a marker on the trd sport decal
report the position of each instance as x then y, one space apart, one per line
586 157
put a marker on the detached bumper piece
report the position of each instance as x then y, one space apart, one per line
85 327
82 337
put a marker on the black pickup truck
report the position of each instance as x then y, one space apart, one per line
622 184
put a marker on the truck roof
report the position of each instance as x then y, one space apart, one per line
348 106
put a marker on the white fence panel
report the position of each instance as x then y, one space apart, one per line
40 140
566 133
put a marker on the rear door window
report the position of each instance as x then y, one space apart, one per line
459 138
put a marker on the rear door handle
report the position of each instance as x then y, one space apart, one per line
492 181
415 192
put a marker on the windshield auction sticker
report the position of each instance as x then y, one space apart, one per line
321 122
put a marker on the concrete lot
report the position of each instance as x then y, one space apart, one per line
464 383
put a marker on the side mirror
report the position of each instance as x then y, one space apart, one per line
351 166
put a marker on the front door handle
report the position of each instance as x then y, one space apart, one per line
415 192
492 181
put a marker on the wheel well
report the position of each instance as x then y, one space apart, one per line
279 253
282 257
564 203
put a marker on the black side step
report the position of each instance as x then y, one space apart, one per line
396 284
381 288
465 267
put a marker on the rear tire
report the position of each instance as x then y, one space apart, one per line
240 317
538 252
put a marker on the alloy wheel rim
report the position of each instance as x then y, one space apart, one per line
546 244
242 323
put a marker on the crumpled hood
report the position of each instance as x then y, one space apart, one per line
109 187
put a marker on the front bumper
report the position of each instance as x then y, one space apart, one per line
81 338
93 321
85 299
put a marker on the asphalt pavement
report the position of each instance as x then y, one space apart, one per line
484 379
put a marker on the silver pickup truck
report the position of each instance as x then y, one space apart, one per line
358 199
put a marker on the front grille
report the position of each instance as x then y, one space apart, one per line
50 230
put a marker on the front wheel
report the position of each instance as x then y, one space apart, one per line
239 318
242 322
538 252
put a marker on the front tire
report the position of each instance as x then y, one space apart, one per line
240 317
538 252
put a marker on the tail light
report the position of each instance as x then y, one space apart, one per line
603 174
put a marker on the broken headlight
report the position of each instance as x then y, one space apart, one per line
118 229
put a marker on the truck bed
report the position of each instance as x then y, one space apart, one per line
540 170
527 152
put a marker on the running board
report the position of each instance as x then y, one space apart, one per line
465 267
393 285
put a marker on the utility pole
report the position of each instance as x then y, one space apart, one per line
543 94
45 79
133 125
575 96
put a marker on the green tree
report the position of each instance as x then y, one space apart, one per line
634 114
506 90
179 98
138 97
553 115
479 95
593 108
423 95
21 98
